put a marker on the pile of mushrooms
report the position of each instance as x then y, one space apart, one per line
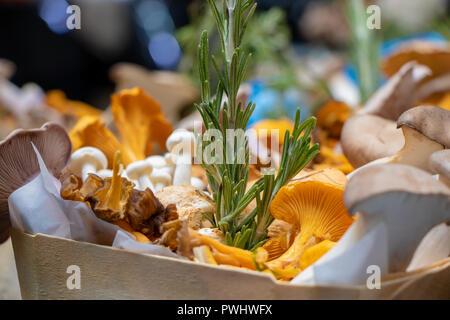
425 131
397 205
419 74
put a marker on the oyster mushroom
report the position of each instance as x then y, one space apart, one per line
87 160
316 211
407 200
365 138
395 97
425 130
439 163
19 165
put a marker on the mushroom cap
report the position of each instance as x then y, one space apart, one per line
395 96
87 154
159 175
365 138
432 122
19 165
137 168
439 162
407 201
427 53
380 179
312 203
104 173
139 122
157 161
179 140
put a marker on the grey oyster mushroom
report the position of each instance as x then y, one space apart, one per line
19 164
425 130
407 200
439 162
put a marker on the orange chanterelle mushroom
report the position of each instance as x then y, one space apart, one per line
316 211
139 122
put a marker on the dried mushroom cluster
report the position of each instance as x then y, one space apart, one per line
116 200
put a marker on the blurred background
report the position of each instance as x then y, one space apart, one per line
305 53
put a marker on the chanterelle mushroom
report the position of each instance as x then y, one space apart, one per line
439 163
425 129
87 160
316 212
365 138
18 162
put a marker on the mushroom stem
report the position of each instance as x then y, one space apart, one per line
145 182
417 149
159 186
86 169
115 190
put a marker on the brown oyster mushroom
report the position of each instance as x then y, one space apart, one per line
438 85
425 130
439 162
19 164
365 138
191 204
395 97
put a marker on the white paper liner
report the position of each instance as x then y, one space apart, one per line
37 207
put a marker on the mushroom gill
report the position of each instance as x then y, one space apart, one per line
139 121
317 213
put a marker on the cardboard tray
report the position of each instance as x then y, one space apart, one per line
111 273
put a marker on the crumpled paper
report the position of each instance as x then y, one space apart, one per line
37 207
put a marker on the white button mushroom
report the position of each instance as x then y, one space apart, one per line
160 179
181 144
87 160
140 171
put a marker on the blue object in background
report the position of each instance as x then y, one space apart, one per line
268 100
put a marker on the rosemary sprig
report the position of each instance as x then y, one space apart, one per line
228 169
